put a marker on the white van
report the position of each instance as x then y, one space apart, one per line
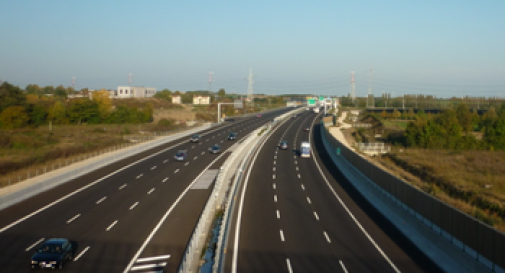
305 149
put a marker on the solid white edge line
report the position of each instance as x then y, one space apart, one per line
165 216
34 244
241 203
98 181
82 253
347 209
154 258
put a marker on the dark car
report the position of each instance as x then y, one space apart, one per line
180 155
53 253
232 136
307 129
215 149
195 138
283 145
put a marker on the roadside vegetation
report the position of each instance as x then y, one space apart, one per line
45 126
457 156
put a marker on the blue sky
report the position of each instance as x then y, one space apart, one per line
443 48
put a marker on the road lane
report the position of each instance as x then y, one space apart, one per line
298 224
117 214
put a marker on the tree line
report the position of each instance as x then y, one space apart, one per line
458 128
22 108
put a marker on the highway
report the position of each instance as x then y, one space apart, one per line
297 214
136 215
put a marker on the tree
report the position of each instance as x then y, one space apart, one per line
187 98
11 95
221 93
104 102
38 114
14 117
33 89
83 111
396 114
165 94
60 91
465 117
49 90
57 113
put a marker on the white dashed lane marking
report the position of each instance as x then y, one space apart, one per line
34 244
274 186
150 191
275 198
303 187
327 237
282 235
165 161
153 167
101 200
308 200
82 253
73 218
111 225
165 180
273 176
290 269
186 164
317 216
278 214
176 171
140 175
122 187
134 205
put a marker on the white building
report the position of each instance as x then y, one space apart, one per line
199 99
135 92
176 99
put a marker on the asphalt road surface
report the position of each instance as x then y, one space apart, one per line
136 215
300 215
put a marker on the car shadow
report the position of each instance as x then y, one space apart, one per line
75 247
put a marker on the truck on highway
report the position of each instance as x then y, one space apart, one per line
305 149
316 110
